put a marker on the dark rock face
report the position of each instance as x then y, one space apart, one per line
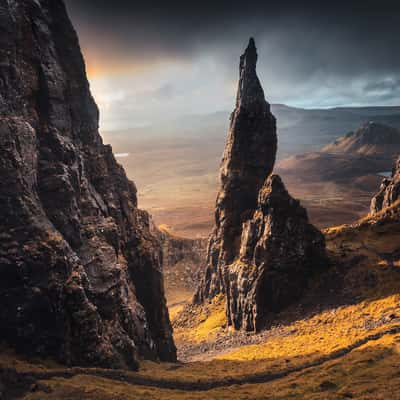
249 157
263 248
279 252
389 191
183 263
182 250
80 269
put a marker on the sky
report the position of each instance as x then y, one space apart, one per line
151 61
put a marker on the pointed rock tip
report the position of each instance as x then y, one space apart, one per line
252 44
251 50
249 59
250 90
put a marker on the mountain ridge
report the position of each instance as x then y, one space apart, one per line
371 139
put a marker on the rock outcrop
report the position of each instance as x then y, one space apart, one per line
389 192
181 250
80 269
280 250
263 248
183 264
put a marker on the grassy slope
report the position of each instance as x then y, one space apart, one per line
370 372
367 288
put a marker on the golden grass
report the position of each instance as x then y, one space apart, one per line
391 212
369 252
381 213
298 343
335 229
210 321
175 310
325 332
370 373
211 325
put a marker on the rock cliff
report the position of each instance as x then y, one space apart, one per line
389 191
80 269
263 248
183 265
181 250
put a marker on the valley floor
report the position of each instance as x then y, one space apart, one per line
341 342
365 369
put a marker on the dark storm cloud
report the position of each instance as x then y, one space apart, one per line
312 53
342 34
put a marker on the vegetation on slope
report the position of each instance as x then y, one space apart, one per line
369 373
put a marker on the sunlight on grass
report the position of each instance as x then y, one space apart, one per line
210 321
325 332
362 374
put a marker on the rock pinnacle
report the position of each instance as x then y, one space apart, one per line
250 89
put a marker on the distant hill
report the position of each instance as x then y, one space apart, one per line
370 149
326 166
372 139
